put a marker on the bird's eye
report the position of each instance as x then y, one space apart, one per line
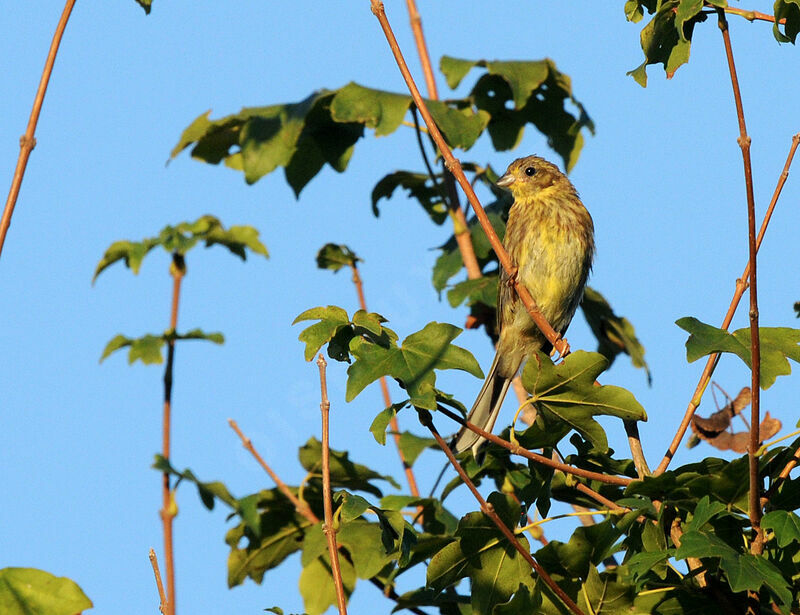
530 171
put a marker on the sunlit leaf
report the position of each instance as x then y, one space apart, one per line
28 591
333 256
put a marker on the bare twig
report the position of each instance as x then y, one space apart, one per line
454 166
516 449
162 606
394 425
457 215
328 527
168 509
488 510
27 142
755 343
301 507
748 15
741 286
635 444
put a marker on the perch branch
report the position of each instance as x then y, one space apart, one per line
454 166
162 598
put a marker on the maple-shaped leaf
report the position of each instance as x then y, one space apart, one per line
568 393
778 345
413 362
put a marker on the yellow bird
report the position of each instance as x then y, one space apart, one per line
550 239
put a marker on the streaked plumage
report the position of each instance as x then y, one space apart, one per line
550 239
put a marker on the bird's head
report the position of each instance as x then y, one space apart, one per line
526 176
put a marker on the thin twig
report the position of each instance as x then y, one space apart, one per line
454 166
516 449
301 507
162 606
748 15
27 142
741 286
426 419
394 425
756 547
168 510
328 527
635 444
457 215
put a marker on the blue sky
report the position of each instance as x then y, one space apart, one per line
662 178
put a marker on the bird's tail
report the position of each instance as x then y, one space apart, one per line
485 409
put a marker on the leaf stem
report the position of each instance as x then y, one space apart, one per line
741 286
454 166
426 419
328 528
27 142
162 606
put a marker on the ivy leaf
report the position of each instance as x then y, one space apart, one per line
28 591
412 363
615 334
778 344
344 472
567 392
419 186
790 11
785 525
334 256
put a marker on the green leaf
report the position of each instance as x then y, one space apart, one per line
615 334
207 491
146 349
419 186
701 544
146 5
523 601
704 512
567 391
344 473
778 344
785 525
383 111
666 39
28 591
495 569
334 256
316 584
198 334
750 572
332 319
605 594
455 70
481 290
436 519
412 363
412 446
278 533
587 546
180 239
381 422
790 11
351 506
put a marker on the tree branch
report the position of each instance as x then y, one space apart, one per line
488 510
454 166
516 449
741 286
328 527
27 142
162 606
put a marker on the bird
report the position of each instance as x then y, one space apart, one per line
550 240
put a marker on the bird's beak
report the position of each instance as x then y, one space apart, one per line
506 180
